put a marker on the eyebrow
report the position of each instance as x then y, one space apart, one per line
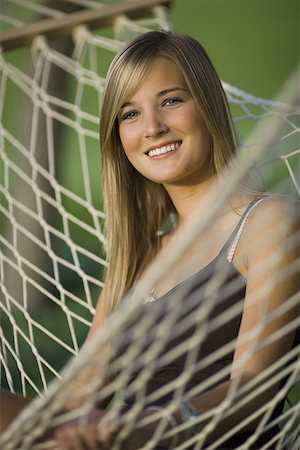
159 94
172 89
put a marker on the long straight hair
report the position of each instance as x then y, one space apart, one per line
136 207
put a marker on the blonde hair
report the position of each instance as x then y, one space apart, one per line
136 207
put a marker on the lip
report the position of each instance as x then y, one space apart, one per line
163 144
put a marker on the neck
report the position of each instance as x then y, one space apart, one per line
187 198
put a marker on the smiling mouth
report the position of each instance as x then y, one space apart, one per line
165 149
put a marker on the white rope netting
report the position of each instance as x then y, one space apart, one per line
53 251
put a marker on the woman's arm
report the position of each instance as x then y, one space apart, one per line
268 255
10 406
88 374
99 318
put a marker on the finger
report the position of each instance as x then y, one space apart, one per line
88 429
106 433
89 436
96 432
69 438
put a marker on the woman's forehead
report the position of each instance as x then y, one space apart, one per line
159 74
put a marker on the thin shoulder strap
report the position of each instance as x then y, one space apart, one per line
238 234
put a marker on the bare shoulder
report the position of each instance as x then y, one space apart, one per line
272 225
275 210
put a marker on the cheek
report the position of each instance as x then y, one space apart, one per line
129 144
128 140
122 136
197 128
188 120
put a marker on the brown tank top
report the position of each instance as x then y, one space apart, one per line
196 305
191 349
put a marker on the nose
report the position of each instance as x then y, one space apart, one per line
154 124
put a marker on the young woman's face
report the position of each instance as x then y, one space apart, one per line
161 131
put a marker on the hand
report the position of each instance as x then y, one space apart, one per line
91 434
98 434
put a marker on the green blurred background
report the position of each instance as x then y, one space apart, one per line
254 44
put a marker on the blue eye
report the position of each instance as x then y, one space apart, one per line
129 115
172 101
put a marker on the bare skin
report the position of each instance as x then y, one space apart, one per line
11 406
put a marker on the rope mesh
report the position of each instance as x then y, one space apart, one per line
53 250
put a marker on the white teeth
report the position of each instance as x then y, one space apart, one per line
164 149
